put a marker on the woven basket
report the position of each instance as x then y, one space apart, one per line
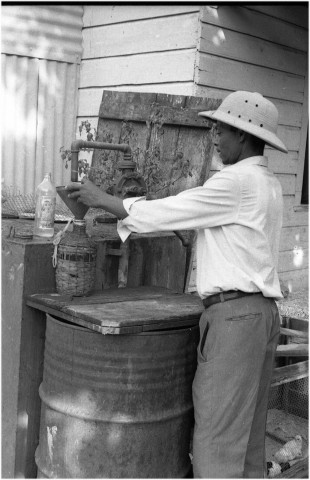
76 262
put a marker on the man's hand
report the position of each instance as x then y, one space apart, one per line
88 193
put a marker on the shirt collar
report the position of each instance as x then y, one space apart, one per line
257 160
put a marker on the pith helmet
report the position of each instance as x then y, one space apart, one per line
252 113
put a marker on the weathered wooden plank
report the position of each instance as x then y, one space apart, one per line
89 99
135 312
290 373
228 74
110 295
139 69
192 145
242 19
95 15
162 126
296 14
164 140
295 259
246 48
162 34
125 128
288 332
292 350
140 111
301 324
84 323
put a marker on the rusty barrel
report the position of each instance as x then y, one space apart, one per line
116 406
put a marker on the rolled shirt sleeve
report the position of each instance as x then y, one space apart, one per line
215 203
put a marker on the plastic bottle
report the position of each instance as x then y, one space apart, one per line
45 208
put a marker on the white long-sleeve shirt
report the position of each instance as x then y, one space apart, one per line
238 216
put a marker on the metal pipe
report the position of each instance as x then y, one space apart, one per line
77 145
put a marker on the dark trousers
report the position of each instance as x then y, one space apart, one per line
231 387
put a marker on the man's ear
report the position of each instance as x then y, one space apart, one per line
242 135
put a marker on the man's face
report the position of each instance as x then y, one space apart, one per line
227 143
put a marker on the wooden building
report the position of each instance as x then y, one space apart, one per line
211 51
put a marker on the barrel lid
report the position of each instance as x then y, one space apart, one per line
123 310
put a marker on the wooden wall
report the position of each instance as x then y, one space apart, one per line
211 51
264 48
144 48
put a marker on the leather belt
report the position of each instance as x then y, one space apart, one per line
224 296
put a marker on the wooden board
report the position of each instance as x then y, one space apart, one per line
157 68
95 15
123 311
290 373
89 99
256 24
292 13
292 350
245 48
119 39
162 130
213 72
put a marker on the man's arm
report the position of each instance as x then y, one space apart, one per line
92 196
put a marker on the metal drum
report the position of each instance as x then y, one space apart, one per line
116 406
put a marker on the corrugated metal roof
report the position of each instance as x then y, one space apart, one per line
47 31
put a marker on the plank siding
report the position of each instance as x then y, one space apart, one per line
227 74
257 24
149 36
139 69
97 15
290 13
241 47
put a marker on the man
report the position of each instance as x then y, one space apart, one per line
238 215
